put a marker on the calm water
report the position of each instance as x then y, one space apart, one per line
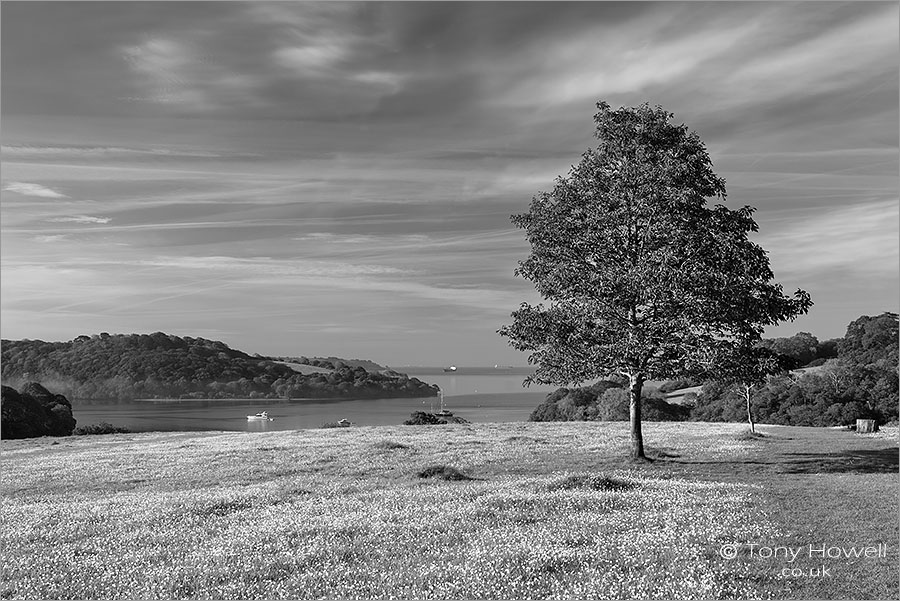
477 395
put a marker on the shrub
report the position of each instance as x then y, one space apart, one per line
444 472
421 418
101 428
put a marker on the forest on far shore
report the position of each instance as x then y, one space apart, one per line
133 366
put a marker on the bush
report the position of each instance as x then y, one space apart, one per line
444 472
422 418
101 428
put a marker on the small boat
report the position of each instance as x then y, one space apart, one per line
262 416
443 412
451 368
344 423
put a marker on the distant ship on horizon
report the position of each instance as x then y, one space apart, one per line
451 368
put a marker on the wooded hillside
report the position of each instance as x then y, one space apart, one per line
128 366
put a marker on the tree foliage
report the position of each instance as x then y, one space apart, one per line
641 277
803 348
34 411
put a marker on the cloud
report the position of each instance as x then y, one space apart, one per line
183 73
45 239
25 151
394 241
862 240
267 266
38 190
602 61
818 63
80 219
319 57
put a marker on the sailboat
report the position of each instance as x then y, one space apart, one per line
443 412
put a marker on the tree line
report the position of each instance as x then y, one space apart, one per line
159 365
854 377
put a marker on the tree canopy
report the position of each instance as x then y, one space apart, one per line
641 277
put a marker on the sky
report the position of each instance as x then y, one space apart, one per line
298 178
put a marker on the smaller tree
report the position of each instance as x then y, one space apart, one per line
749 365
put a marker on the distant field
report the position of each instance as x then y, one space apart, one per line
677 396
306 369
552 510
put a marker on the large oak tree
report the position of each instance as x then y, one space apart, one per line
642 278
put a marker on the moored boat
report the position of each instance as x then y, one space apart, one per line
262 416
443 412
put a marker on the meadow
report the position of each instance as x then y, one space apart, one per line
497 511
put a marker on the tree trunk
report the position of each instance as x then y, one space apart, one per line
749 410
637 438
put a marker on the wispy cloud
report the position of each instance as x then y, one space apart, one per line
170 71
49 238
268 266
861 239
26 189
818 63
80 219
608 61
26 151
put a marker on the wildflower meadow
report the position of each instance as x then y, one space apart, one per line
534 511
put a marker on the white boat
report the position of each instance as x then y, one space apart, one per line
443 412
344 423
451 368
262 416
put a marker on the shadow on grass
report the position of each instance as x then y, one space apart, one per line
877 461
588 482
850 461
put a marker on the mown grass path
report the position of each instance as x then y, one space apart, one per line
551 511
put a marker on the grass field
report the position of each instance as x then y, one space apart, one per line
510 511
